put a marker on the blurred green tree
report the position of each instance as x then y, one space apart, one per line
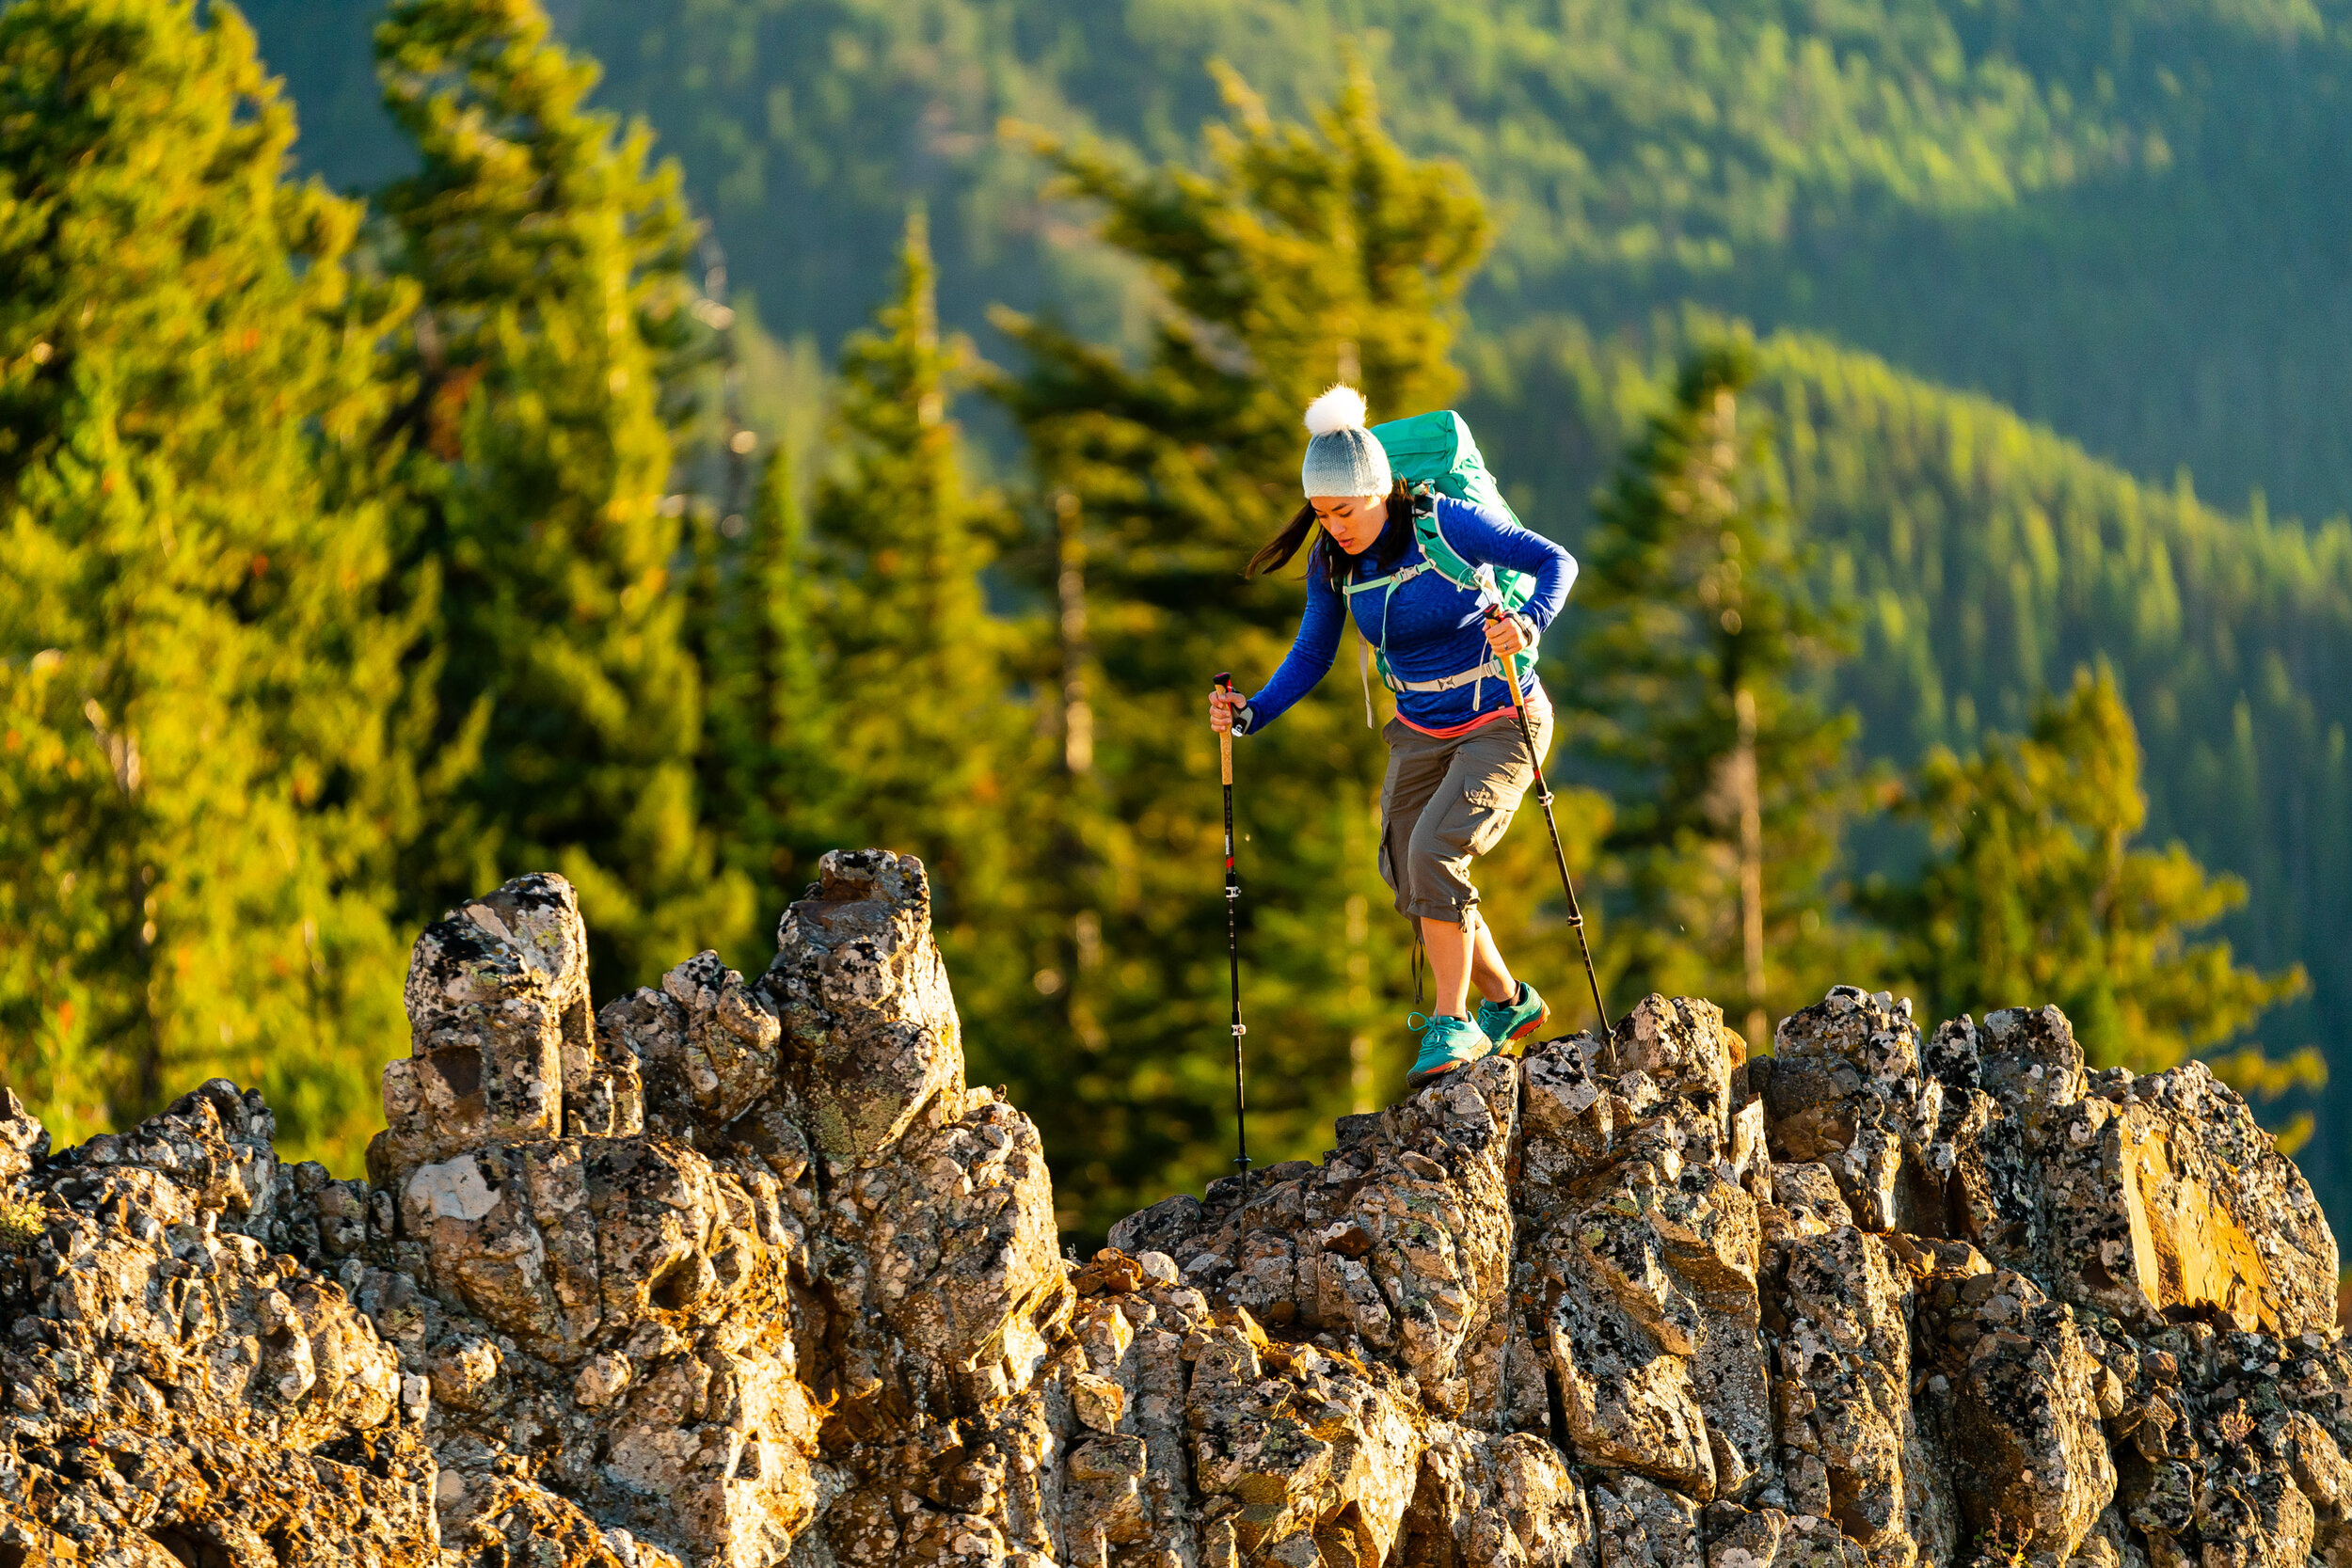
923 737
912 667
773 795
199 791
1694 690
2032 894
535 449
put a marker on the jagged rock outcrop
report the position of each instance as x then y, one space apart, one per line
742 1272
175 1388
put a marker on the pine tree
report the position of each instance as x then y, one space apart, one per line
2033 893
1731 779
197 791
537 451
774 795
900 542
1300 254
920 727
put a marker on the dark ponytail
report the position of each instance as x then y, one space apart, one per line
1386 551
1275 553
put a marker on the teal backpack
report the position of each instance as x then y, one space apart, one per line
1435 454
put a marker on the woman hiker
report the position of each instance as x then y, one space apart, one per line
1457 763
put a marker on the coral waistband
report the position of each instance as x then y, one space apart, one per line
1450 731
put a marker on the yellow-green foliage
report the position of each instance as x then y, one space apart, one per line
917 674
1989 561
2033 890
196 786
20 1225
2061 204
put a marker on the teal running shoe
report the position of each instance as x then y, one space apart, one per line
1446 1042
1515 1019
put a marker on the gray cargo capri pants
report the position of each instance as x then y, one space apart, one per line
1445 802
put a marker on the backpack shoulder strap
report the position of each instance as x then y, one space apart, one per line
1515 587
1434 548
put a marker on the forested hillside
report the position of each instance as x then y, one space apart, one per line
2026 285
2121 219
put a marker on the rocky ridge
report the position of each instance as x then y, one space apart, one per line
738 1273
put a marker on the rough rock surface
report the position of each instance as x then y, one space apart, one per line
179 1389
740 1271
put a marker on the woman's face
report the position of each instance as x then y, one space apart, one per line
1352 521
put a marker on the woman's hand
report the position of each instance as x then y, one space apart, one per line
1222 705
1504 633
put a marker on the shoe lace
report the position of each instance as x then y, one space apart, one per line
1419 1028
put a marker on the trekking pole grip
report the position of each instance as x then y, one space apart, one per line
1225 738
1510 663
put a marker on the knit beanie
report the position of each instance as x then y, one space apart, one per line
1343 458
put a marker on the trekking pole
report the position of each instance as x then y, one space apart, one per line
1232 945
1543 793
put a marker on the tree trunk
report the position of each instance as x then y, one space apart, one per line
1077 744
1751 864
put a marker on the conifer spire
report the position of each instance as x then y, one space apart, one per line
1733 779
915 680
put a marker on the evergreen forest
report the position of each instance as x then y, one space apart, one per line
659 442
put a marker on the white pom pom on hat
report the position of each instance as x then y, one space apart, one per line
1343 458
1340 408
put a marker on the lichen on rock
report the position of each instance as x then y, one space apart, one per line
739 1272
176 1384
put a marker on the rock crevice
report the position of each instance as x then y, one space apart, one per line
739 1272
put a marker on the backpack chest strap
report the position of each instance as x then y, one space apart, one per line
1394 581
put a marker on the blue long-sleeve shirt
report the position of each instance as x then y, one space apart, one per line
1428 628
